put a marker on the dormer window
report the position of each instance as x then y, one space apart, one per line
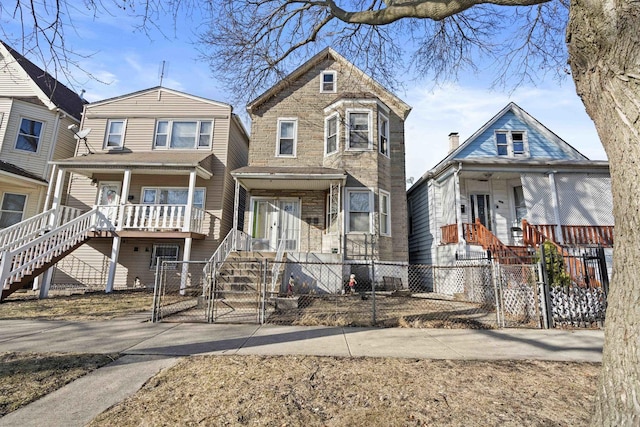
512 144
183 134
328 82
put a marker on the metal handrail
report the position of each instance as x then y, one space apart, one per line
277 263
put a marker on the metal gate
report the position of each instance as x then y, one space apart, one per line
576 287
201 291
239 292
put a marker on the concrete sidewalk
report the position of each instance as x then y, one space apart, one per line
148 348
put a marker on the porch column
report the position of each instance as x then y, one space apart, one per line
186 257
458 201
113 263
236 204
57 198
124 195
54 171
556 207
186 227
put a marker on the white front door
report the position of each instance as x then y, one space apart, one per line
108 199
275 220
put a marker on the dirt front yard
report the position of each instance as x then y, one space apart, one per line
327 391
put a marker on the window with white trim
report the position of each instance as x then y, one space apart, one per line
29 135
287 135
331 135
12 209
383 134
183 134
172 196
328 82
512 143
359 203
359 130
385 213
164 253
114 137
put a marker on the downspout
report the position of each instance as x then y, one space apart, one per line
458 202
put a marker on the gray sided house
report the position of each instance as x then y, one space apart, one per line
35 112
326 172
510 186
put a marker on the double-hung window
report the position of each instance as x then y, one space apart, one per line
511 144
359 129
359 203
114 138
29 135
328 81
287 135
183 134
383 134
331 135
12 209
385 216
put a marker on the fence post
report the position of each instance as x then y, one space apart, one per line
604 273
546 291
155 315
494 280
373 292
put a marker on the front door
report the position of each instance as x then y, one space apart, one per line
108 199
275 220
481 209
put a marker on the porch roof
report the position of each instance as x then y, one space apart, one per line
288 178
157 162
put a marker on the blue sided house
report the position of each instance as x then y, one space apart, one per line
512 185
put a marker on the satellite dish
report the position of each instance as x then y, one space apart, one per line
83 133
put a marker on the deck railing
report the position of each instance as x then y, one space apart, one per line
572 235
449 234
153 217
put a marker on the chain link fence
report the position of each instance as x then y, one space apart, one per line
470 294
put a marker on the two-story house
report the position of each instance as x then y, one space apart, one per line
326 172
35 113
155 166
508 187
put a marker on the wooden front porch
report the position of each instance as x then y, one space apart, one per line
532 235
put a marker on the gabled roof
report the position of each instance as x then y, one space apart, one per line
525 117
452 160
51 90
327 53
161 89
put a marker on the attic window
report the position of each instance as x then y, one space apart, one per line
328 82
512 144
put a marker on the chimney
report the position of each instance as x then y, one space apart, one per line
454 141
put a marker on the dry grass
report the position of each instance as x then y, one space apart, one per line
90 306
327 391
25 377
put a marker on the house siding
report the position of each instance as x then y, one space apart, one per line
302 100
540 146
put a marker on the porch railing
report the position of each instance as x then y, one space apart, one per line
572 235
154 217
16 235
449 234
36 253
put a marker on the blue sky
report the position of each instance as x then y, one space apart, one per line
123 60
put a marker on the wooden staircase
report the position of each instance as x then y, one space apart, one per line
39 249
478 234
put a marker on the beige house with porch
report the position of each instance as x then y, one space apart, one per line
155 165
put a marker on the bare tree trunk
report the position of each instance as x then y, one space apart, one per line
603 37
